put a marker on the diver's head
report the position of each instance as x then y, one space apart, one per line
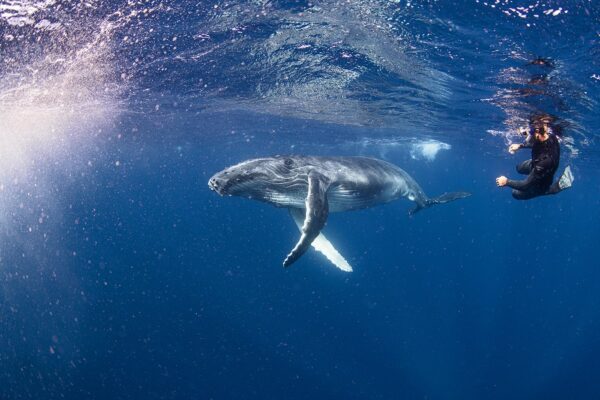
540 132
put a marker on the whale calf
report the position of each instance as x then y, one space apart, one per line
312 187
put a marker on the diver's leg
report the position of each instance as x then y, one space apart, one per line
565 182
555 188
524 167
525 195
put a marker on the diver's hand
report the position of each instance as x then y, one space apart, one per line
501 181
513 148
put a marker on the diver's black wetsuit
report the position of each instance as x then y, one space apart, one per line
540 170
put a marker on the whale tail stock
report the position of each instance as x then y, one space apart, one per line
444 198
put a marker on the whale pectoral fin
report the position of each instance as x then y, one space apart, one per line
315 217
321 243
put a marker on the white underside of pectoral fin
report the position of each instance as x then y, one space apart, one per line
321 244
324 246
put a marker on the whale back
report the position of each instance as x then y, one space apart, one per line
361 182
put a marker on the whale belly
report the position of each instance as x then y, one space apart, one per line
347 197
293 199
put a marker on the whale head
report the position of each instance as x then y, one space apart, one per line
258 178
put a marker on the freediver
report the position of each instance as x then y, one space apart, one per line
540 169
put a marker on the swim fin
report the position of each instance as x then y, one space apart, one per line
566 179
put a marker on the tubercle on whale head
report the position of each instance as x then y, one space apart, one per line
225 183
218 184
252 176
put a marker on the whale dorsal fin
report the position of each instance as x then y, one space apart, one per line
317 211
321 243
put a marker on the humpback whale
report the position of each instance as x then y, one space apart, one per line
312 187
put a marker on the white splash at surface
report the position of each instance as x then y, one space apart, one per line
22 12
428 149
417 148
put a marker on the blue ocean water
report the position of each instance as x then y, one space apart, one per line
122 276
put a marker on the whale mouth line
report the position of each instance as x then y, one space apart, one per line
222 187
215 190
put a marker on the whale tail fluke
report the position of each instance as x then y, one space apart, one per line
444 198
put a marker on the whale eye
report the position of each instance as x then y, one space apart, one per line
288 162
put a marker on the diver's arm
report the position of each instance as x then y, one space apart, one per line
524 184
512 149
527 144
